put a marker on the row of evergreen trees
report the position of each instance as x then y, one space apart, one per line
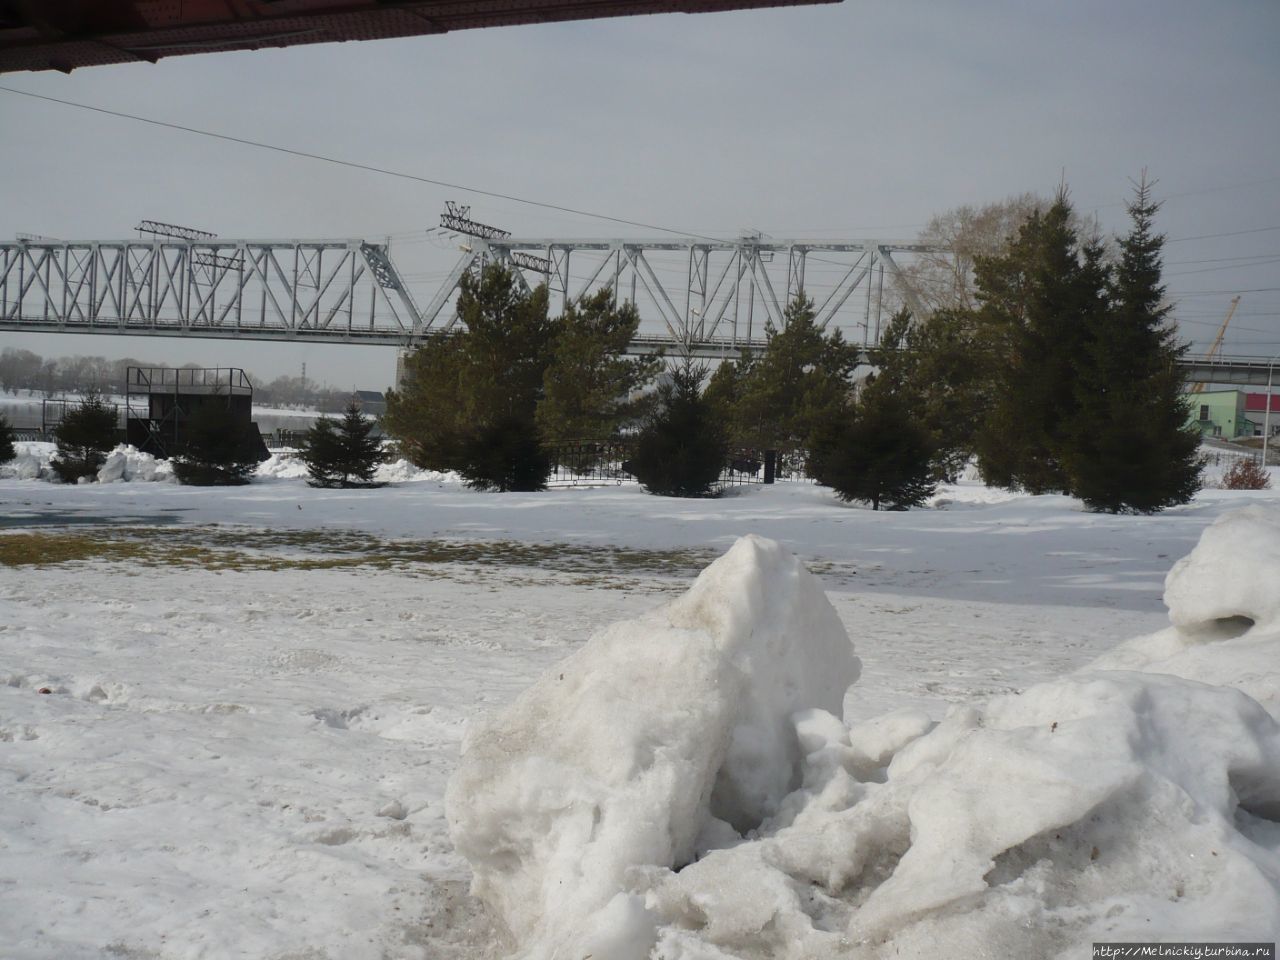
1063 377
217 449
1060 376
487 399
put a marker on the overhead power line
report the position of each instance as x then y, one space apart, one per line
1214 236
1229 266
354 165
1219 293
480 191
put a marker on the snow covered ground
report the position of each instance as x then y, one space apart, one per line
256 697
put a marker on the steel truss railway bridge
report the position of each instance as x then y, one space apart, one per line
350 291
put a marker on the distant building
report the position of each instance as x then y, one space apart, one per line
371 402
159 401
1255 408
1227 413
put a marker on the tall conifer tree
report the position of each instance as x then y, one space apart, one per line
1039 300
590 388
798 382
469 399
1131 448
936 364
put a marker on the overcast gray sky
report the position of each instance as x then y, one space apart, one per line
854 120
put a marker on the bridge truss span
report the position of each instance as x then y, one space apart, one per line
340 290
710 296
696 297
700 297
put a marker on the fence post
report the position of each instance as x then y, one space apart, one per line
770 465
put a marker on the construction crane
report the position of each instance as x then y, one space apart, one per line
1217 341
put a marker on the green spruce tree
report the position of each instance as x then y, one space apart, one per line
797 381
682 448
875 453
1039 301
86 434
217 447
425 414
504 455
590 389
478 387
342 453
7 438
725 389
1131 448
939 366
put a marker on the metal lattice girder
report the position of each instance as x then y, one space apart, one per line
730 288
287 289
716 299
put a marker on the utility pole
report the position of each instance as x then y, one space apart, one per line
1266 419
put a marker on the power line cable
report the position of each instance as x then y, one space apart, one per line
1250 256
354 165
1218 293
1209 236
1229 266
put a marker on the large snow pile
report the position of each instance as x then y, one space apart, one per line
683 788
1224 604
282 466
30 461
128 463
289 466
641 749
124 463
402 471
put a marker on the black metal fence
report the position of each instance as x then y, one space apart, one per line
1226 458
589 463
284 438
600 463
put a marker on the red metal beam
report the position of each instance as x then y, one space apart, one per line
65 34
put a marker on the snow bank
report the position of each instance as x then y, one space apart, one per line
124 463
659 738
402 471
282 466
288 466
1231 573
30 462
1224 605
665 793
128 463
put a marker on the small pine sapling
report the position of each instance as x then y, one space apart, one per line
218 449
682 449
505 455
85 436
7 436
342 453
876 454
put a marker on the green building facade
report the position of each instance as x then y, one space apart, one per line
1219 413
